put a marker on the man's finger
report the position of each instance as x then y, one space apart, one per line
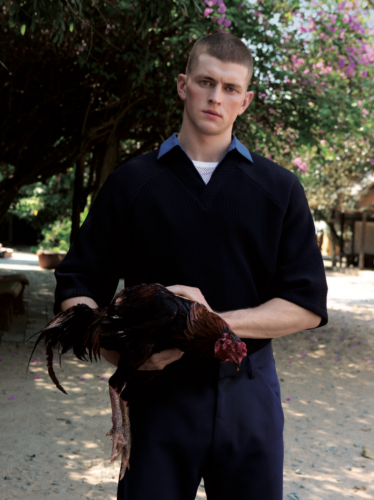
159 360
184 291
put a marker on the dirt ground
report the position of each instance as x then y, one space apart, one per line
54 445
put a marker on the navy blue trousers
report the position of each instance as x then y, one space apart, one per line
203 419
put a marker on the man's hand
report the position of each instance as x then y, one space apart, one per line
159 360
190 293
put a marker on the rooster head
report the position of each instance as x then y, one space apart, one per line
207 329
230 348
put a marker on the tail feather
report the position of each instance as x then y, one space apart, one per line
51 371
77 328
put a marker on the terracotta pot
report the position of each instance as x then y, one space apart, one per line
5 252
48 259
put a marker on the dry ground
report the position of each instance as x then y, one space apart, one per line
54 445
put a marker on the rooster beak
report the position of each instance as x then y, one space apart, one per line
237 364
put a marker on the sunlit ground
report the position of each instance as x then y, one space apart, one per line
53 444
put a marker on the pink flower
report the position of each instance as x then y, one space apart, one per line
207 12
227 23
12 397
323 142
341 63
364 74
37 377
288 399
221 9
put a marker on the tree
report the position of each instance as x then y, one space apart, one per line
340 60
104 92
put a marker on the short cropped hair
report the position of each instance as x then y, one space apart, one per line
223 46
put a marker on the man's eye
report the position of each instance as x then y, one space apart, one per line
232 88
204 81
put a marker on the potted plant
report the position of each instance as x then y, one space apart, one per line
56 241
55 244
50 259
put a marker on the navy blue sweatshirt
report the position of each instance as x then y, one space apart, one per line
244 238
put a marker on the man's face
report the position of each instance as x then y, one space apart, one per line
216 86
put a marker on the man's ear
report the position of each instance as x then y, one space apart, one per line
182 86
246 101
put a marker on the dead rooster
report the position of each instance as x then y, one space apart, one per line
140 321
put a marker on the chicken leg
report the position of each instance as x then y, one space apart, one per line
120 431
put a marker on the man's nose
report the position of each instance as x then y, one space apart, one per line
216 95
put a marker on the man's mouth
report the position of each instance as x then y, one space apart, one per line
212 113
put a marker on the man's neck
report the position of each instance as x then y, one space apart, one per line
203 147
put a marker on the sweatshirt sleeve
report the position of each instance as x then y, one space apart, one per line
300 276
93 265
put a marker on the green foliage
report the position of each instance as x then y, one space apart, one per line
55 16
56 235
40 204
80 72
338 62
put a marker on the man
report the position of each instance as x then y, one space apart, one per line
232 230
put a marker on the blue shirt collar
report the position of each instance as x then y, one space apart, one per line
172 142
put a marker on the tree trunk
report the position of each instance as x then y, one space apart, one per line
109 163
341 252
98 154
77 197
334 242
7 195
361 263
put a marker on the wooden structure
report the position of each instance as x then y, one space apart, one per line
355 229
11 297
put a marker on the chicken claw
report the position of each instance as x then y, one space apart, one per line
120 431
